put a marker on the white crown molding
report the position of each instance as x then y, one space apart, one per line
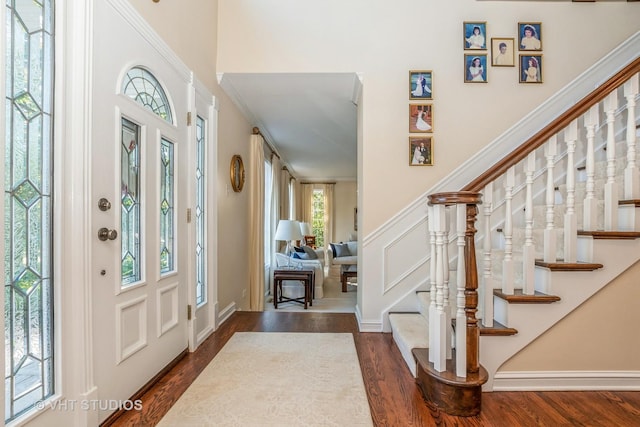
131 15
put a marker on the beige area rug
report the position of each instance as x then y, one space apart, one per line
277 379
334 300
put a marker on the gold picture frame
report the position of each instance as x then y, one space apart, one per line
529 36
475 68
421 150
420 84
502 52
420 118
237 173
474 35
530 68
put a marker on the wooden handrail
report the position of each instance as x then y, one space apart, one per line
554 127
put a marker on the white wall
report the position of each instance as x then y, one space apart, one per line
192 33
384 40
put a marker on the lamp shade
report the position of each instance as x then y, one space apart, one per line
305 229
288 230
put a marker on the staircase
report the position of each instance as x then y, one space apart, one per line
525 244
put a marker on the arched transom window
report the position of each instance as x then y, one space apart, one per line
141 86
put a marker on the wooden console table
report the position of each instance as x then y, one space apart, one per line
304 275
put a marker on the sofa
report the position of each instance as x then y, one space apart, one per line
304 257
343 253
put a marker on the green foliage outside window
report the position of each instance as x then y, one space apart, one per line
318 217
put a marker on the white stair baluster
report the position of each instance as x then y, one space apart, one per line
550 151
570 219
528 257
432 279
487 285
446 305
631 174
440 327
461 320
507 263
591 121
610 188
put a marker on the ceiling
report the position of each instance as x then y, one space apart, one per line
308 118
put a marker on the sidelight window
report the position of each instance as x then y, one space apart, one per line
28 233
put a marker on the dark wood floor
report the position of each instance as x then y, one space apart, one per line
393 396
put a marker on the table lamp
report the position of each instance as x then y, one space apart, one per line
288 230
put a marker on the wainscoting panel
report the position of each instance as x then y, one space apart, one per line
406 256
131 327
167 308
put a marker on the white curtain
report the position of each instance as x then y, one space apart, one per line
306 214
256 226
295 188
329 214
274 215
284 194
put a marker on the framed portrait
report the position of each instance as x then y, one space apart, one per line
421 151
531 68
420 118
502 52
475 68
421 84
529 36
474 35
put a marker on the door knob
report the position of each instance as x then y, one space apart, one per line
105 234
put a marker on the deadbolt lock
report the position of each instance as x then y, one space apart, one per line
104 205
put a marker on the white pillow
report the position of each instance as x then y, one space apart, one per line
310 252
342 250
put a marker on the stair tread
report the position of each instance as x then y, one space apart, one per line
635 202
498 329
560 265
518 297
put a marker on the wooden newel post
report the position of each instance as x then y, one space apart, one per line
458 391
471 199
471 293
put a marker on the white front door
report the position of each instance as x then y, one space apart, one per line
139 152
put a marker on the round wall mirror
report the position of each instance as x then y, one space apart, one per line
237 173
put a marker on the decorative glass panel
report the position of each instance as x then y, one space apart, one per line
167 254
201 286
28 308
144 88
130 203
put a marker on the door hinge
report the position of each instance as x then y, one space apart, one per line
189 312
189 118
188 215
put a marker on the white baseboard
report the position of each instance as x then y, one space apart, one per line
566 380
367 325
226 313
